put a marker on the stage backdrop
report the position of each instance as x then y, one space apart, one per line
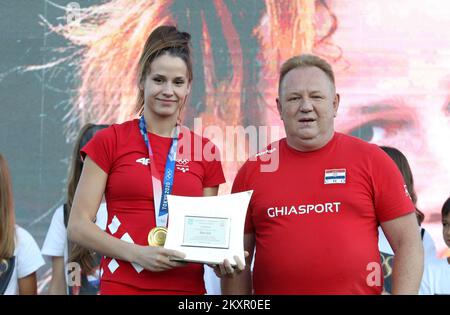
65 63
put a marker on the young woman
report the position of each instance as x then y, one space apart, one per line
56 245
19 254
387 255
132 164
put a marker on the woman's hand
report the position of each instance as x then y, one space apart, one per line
156 259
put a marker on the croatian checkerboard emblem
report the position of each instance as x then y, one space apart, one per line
335 176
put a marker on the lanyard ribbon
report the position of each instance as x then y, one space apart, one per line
160 192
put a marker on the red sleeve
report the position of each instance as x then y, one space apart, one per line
213 167
241 184
391 198
101 148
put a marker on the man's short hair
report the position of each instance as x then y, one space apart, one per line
446 208
303 61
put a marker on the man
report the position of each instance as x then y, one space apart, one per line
313 221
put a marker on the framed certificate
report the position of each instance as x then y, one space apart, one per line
206 232
208 229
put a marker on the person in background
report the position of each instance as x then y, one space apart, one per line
19 254
436 277
56 245
387 255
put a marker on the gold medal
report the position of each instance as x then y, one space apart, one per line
157 236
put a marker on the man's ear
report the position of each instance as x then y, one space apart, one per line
336 101
279 107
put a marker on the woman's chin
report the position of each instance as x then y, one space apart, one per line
166 114
164 111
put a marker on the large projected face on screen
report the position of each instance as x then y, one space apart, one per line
391 59
396 88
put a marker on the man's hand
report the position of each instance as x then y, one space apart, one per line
225 269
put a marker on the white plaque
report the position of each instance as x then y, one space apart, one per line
208 229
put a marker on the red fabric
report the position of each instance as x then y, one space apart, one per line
119 151
321 252
115 288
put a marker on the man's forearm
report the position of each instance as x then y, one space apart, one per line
408 269
239 284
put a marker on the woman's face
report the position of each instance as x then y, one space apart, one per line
166 87
395 90
394 83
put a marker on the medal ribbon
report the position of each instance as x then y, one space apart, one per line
160 192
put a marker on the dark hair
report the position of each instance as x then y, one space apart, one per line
403 165
163 40
446 208
79 254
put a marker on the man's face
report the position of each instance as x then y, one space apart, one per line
307 106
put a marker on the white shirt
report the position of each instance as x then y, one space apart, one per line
55 243
28 259
56 239
428 245
436 278
212 282
429 248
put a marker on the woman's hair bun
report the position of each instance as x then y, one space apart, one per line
186 36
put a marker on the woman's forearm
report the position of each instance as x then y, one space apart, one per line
87 234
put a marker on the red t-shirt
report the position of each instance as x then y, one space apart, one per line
120 151
314 236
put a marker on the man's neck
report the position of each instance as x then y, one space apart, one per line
308 145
